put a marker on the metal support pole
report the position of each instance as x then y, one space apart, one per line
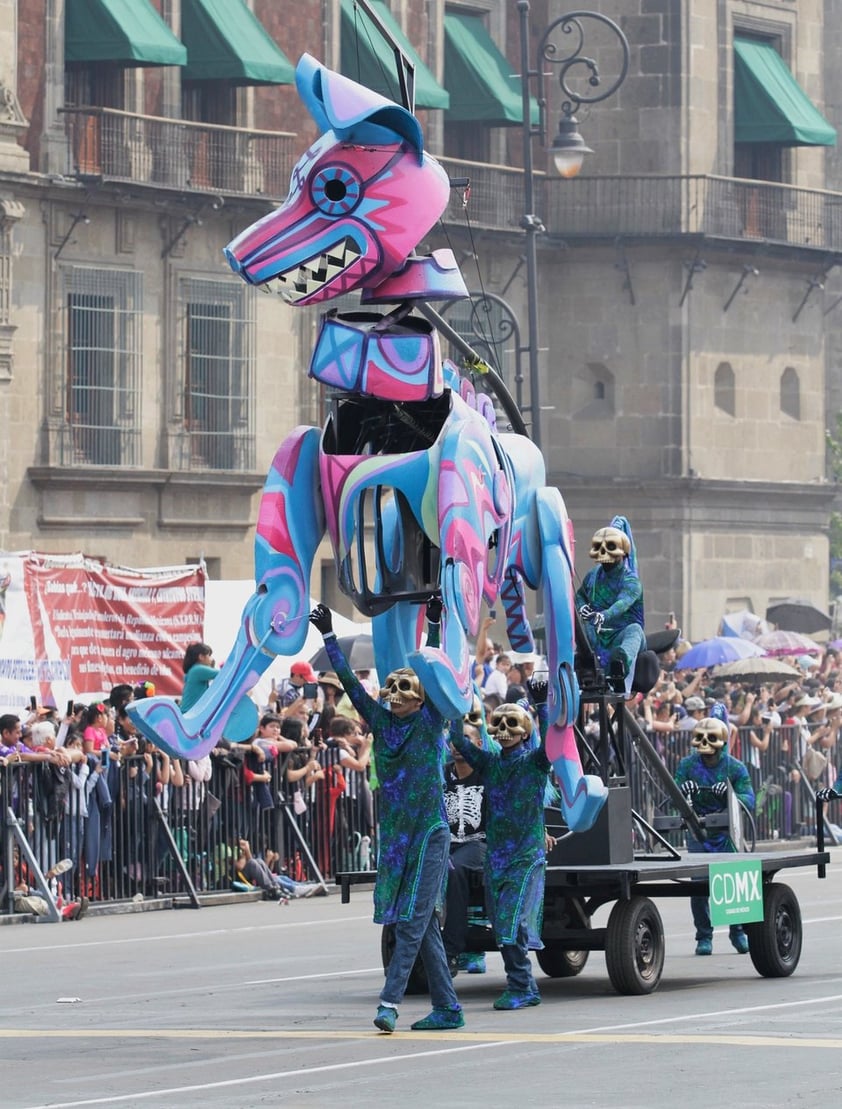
532 226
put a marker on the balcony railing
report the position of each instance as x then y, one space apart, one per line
650 206
176 153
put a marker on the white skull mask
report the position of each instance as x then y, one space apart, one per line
510 724
402 686
609 546
475 716
709 736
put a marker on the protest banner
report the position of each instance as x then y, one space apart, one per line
73 626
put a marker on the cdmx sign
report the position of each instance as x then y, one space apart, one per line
736 891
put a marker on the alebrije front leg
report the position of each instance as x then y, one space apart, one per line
275 619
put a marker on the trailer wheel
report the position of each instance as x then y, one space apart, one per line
634 946
774 943
417 983
557 962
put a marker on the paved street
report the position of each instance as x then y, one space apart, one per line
260 1004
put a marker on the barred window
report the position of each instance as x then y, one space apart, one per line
217 407
103 358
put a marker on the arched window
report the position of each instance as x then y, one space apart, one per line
791 393
724 388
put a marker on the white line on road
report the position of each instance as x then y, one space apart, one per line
302 1072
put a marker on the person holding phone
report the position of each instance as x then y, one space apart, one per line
302 682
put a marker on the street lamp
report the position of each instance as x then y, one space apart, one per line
568 148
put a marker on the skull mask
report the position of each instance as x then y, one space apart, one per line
510 724
609 546
710 736
402 686
475 717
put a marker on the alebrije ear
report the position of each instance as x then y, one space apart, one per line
353 112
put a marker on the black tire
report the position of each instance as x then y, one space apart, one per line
634 946
557 962
774 943
417 983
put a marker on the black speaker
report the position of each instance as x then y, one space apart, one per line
608 841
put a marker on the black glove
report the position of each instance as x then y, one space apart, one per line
719 789
539 689
586 612
827 794
434 609
689 789
322 619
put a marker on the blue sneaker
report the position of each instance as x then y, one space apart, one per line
386 1018
704 947
472 962
740 942
440 1020
516 999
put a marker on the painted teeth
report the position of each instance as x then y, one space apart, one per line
310 276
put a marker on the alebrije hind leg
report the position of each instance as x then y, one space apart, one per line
582 795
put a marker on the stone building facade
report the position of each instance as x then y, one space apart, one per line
689 343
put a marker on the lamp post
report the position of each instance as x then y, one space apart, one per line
568 147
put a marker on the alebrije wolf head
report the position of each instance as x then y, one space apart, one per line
360 199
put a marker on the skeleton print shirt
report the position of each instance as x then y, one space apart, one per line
464 800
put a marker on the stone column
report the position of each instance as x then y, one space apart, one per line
13 157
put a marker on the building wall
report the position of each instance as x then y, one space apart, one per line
629 369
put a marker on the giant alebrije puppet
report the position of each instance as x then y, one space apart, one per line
409 455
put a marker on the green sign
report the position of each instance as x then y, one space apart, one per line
736 892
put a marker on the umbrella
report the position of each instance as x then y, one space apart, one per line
713 652
798 616
787 643
357 649
763 668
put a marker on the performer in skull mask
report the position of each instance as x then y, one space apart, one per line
515 779
703 778
409 750
610 602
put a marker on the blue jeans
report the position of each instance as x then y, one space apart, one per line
518 967
465 858
422 935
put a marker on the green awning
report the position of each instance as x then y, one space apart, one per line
129 32
769 104
226 41
478 77
367 58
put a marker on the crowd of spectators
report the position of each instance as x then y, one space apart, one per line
302 794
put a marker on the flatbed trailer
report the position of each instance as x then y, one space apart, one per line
633 938
589 870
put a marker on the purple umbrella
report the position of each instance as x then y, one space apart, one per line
713 652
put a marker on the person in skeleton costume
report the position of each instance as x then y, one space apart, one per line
409 751
610 603
514 778
464 800
703 778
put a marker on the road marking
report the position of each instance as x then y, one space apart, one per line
480 1041
170 937
473 1037
715 1013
